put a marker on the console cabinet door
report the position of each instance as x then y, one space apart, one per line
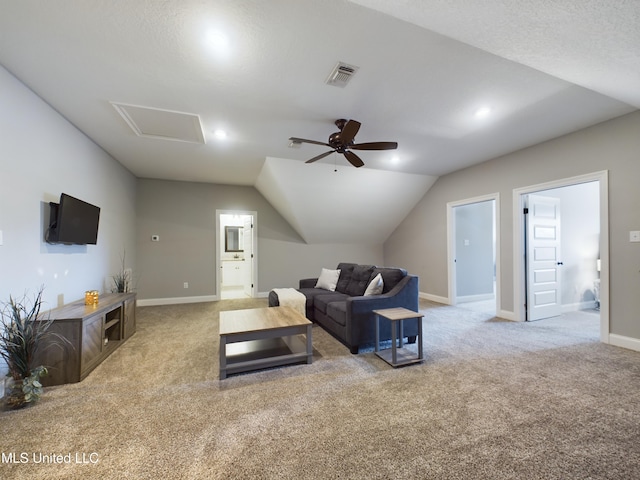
129 317
92 342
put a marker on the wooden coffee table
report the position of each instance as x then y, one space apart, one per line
263 337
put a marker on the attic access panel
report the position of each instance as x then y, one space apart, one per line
158 123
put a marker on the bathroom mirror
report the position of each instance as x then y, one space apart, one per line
233 239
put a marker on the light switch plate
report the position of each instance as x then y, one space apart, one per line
634 236
1 237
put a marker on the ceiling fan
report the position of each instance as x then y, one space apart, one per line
342 142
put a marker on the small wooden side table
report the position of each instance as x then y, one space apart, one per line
397 355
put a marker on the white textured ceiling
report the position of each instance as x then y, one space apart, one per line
591 43
546 68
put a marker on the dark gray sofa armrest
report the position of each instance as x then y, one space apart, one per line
308 282
360 316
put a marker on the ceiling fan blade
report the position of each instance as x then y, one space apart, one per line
353 159
375 146
304 140
349 132
322 155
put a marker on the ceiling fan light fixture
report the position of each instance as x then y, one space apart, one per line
343 142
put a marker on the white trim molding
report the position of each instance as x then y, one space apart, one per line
433 298
624 342
151 302
451 238
506 315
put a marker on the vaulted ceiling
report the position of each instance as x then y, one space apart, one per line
257 69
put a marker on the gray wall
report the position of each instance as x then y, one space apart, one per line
183 214
41 156
421 239
474 250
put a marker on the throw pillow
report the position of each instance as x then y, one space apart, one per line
346 269
359 280
328 279
375 286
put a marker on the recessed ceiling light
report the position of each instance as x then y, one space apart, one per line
220 134
483 112
395 159
218 44
217 39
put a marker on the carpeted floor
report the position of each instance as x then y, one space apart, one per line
493 400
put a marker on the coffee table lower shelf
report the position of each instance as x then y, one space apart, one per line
257 338
264 353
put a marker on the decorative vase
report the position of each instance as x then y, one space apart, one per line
14 396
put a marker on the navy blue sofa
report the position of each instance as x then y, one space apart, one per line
348 315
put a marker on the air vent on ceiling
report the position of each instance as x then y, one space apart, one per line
341 74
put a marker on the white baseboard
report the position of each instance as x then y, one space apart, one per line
433 298
150 302
475 298
574 307
507 315
624 342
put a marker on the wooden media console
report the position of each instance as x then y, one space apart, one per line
91 333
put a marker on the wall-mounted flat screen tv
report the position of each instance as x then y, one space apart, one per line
73 221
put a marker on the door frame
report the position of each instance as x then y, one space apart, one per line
218 247
451 244
519 243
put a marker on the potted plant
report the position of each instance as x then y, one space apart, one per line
122 279
22 333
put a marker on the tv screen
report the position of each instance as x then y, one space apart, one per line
74 222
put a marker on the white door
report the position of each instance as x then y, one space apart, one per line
543 262
247 239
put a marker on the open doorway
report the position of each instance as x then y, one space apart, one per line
473 260
236 254
576 279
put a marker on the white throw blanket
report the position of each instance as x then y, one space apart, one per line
290 297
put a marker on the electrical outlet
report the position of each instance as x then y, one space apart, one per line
634 236
186 284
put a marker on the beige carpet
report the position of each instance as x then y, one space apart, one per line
493 400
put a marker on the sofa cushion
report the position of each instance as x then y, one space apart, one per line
338 312
320 302
311 293
390 276
360 278
346 269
